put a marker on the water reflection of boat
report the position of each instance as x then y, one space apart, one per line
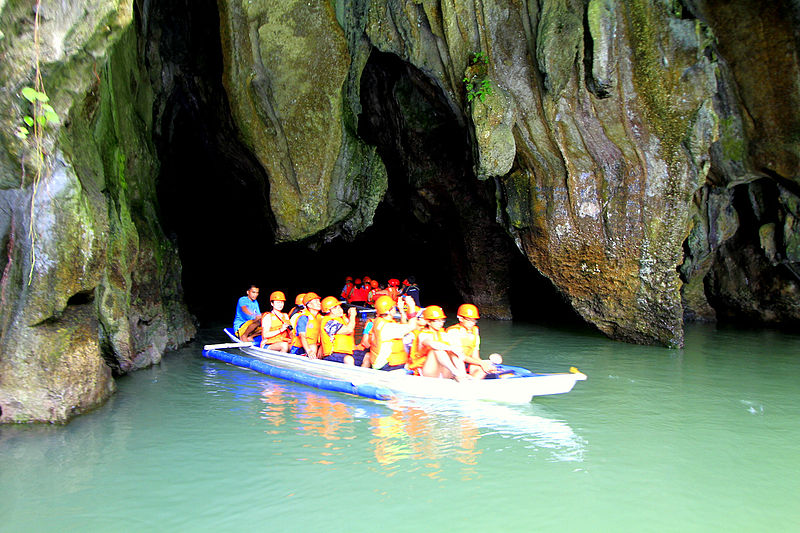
519 422
518 385
427 431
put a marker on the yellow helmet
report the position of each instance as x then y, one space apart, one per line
328 303
299 299
433 312
310 296
468 311
384 304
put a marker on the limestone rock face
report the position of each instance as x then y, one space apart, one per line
612 122
641 154
286 64
598 127
742 247
89 283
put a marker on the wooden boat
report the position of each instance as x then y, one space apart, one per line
511 384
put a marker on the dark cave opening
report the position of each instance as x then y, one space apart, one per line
753 278
212 192
214 196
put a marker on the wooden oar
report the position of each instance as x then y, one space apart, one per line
227 345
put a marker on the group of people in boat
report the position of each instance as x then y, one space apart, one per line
365 291
401 336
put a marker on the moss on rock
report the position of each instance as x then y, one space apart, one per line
101 261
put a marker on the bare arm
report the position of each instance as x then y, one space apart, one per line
350 327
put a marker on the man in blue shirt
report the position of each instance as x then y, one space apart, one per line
247 321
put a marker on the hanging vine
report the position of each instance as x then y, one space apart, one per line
41 114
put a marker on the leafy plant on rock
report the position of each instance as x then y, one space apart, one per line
476 81
40 114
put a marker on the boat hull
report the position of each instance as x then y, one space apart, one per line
520 385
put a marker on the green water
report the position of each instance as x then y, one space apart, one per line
699 439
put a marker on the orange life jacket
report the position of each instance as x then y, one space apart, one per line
468 339
312 330
272 321
422 351
358 294
339 343
348 288
398 354
415 360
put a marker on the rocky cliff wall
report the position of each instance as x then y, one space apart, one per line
90 286
642 155
597 129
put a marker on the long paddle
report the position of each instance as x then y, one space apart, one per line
227 345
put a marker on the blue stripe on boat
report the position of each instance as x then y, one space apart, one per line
336 385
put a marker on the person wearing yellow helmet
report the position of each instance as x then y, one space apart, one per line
435 357
306 340
373 288
393 288
386 351
337 333
298 306
276 329
466 335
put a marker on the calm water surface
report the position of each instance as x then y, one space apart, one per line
700 439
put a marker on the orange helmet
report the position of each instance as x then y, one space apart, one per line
433 312
328 303
299 299
358 281
349 278
310 296
384 304
468 311
277 295
394 282
373 283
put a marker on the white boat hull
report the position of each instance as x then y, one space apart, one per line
515 389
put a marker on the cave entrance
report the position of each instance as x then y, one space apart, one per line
213 194
441 216
436 222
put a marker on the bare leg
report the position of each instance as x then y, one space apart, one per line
281 346
440 364
252 330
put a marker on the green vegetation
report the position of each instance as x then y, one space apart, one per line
42 113
476 82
